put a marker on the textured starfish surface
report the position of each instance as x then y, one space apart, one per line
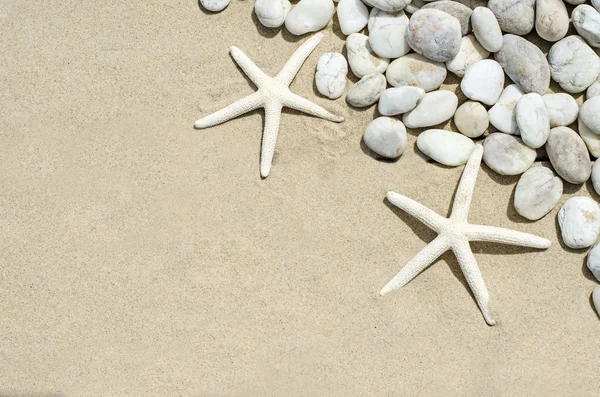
273 94
455 233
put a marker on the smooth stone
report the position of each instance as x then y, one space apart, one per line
591 140
483 81
533 120
331 73
388 5
590 114
353 16
387 33
361 58
457 10
472 4
471 119
596 298
579 221
309 16
470 52
524 63
434 34
596 4
562 109
586 21
514 16
502 114
386 136
445 147
573 64
596 176
435 108
366 91
272 13
399 100
486 29
214 5
551 19
417 71
569 155
593 263
538 192
507 154
593 90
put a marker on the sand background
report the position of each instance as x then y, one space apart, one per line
140 257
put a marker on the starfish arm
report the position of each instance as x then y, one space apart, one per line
269 139
296 102
419 211
464 193
505 236
237 108
424 258
293 65
469 267
250 69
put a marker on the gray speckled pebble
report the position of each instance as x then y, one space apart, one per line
434 34
586 21
386 136
579 221
573 64
524 63
366 91
569 155
507 154
457 10
514 16
537 193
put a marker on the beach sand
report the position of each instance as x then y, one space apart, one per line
141 257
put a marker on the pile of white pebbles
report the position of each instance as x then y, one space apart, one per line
480 42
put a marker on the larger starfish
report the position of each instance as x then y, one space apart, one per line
455 233
272 95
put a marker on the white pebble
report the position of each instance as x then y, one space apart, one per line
551 19
537 193
416 70
470 52
507 154
386 136
573 64
366 91
353 15
272 13
399 100
591 140
502 114
445 147
309 16
562 109
590 114
435 108
486 29
533 120
596 176
596 298
471 118
387 33
362 59
483 81
331 73
579 221
214 5
593 263
569 155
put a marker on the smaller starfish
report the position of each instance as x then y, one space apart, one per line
455 233
273 94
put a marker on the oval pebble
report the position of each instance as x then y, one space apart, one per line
596 176
538 192
533 120
586 21
470 52
445 147
457 10
214 5
353 16
386 136
562 109
502 114
590 114
596 298
514 16
551 19
483 81
388 5
593 263
507 155
573 64
387 33
579 221
361 58
434 34
591 140
486 29
366 91
524 63
272 13
594 89
569 155
399 100
416 70
435 108
330 77
309 16
471 119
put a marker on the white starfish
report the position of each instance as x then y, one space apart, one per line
272 95
454 233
